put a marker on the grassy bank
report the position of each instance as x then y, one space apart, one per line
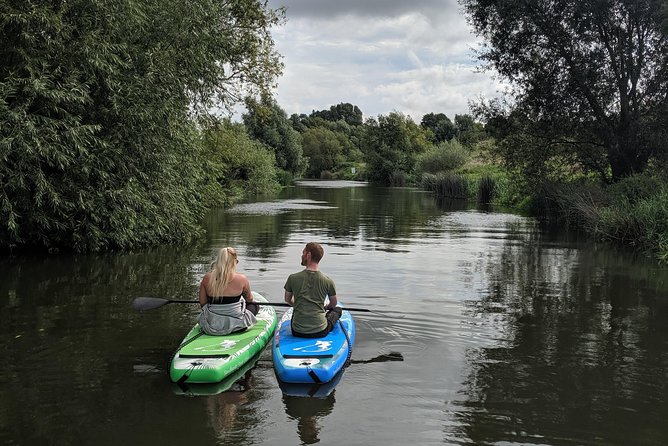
633 211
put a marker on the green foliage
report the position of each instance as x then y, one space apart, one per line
469 132
349 113
241 166
486 189
442 128
589 80
634 188
447 184
324 150
643 223
391 145
528 148
284 177
446 156
575 203
98 145
266 121
351 170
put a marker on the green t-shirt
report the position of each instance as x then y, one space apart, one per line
310 288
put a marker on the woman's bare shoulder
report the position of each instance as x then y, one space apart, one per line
240 277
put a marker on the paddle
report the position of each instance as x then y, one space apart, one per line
150 303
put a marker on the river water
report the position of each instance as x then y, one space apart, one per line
489 330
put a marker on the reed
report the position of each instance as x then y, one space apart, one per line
486 189
398 178
448 185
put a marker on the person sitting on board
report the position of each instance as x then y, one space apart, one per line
225 297
306 291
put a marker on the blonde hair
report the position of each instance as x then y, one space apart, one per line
222 272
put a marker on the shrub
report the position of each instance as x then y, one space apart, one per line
634 188
239 164
446 156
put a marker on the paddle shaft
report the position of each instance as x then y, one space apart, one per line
149 303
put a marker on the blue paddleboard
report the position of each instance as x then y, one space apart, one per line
312 360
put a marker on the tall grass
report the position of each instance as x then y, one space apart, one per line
643 223
398 178
486 189
447 185
633 211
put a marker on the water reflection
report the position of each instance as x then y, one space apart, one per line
489 330
308 412
581 357
68 333
226 411
384 215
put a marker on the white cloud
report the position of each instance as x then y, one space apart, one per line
413 57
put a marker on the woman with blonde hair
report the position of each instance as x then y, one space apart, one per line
225 297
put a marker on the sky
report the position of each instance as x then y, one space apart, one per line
411 56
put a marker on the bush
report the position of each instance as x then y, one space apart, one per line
240 165
634 188
446 156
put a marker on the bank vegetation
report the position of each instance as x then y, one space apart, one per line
107 138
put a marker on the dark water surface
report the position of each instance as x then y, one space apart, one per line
510 334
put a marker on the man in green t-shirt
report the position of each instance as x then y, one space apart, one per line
306 292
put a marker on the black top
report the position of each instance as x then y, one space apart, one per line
224 299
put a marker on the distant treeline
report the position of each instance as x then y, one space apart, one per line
107 139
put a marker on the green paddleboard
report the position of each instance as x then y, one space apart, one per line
209 359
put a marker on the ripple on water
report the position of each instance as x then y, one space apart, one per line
336 184
278 207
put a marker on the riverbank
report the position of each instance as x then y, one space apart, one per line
633 211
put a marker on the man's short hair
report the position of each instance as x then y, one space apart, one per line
316 251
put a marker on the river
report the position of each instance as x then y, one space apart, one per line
488 330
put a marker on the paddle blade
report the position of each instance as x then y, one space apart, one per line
148 303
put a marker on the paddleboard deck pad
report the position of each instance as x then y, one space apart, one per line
312 360
202 358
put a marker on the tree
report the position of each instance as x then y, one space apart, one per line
345 111
589 75
98 145
241 165
468 130
266 121
441 126
391 145
323 148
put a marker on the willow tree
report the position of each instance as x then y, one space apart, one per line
590 77
98 100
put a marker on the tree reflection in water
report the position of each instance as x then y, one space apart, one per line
581 350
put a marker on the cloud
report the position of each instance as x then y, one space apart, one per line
413 57
319 9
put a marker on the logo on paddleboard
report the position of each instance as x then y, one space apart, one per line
224 345
319 346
